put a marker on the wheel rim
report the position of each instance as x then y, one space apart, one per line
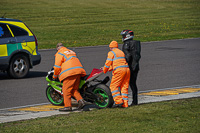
54 96
19 66
103 98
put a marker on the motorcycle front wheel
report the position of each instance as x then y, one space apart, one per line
54 97
105 99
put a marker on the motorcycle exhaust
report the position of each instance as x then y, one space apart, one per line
106 79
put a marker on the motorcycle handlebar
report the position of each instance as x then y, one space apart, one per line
94 77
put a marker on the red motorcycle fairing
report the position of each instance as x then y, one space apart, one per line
94 74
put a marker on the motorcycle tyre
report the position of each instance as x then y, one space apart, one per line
106 90
61 103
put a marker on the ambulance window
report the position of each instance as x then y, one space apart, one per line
4 31
17 31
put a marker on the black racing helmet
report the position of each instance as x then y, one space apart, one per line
127 34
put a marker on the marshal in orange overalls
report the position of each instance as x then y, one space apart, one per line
68 69
120 75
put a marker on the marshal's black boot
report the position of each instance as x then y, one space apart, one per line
81 104
65 109
117 105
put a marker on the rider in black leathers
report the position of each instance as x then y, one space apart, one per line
132 49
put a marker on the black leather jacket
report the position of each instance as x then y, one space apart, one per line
132 49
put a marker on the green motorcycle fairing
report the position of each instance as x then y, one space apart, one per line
57 85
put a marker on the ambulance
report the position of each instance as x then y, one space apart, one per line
18 48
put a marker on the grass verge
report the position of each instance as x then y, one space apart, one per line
181 116
98 22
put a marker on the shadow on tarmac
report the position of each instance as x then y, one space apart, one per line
31 74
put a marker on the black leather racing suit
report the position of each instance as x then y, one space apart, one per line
132 49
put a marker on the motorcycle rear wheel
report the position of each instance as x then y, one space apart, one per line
105 99
54 97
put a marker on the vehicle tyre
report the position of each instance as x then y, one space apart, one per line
19 66
54 97
105 99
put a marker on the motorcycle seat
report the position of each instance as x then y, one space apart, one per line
85 77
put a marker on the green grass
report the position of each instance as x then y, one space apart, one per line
179 116
98 22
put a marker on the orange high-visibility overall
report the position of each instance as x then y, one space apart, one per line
70 88
120 76
68 69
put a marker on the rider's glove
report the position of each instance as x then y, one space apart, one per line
55 79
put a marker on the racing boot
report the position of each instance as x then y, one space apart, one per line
81 104
133 104
65 109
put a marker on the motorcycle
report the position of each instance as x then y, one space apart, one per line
91 89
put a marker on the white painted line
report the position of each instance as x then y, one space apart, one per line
192 86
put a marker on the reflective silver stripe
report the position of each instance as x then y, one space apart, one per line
55 76
125 98
114 54
124 94
106 66
57 66
109 59
66 56
115 91
69 69
121 66
119 58
116 58
116 95
63 55
70 58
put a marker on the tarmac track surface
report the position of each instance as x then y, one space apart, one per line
164 64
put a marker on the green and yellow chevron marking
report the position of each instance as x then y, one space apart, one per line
7 49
